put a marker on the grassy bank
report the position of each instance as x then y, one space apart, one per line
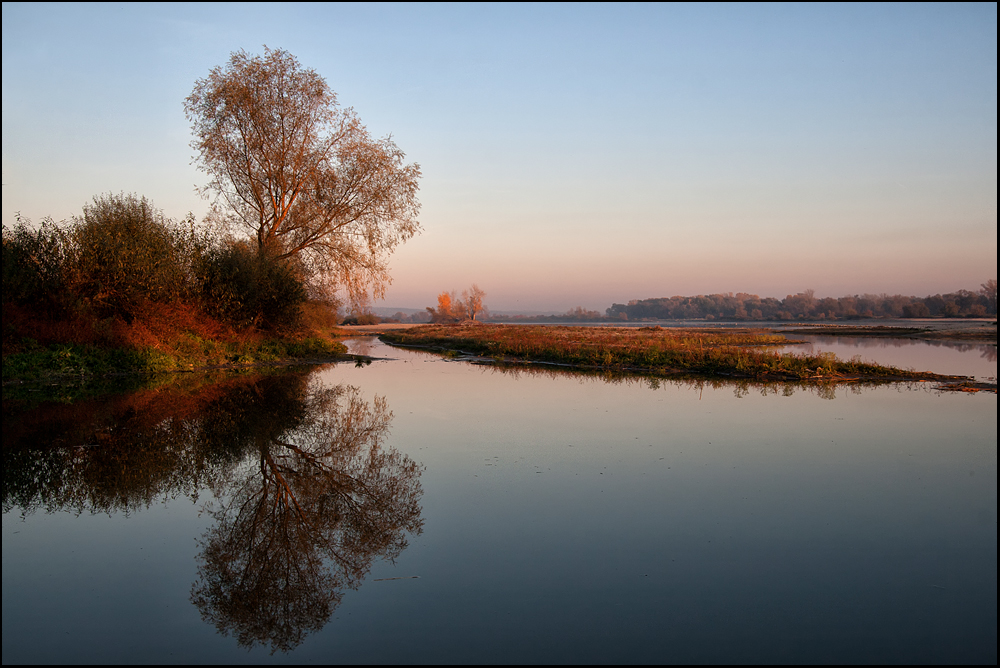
741 352
184 354
162 338
124 290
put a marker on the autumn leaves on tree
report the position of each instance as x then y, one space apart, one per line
300 175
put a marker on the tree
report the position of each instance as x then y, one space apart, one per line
473 301
299 173
452 309
989 291
449 309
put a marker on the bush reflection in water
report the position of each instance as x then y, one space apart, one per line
305 495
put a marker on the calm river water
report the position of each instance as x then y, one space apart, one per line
425 510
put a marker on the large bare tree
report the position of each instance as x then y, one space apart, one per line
300 173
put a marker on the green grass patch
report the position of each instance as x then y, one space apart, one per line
188 352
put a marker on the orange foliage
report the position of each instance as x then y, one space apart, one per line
154 326
165 327
317 317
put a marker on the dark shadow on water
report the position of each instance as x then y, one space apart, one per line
305 495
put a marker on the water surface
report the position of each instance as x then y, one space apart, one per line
978 360
453 512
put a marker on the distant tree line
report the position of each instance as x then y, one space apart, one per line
415 318
576 314
806 306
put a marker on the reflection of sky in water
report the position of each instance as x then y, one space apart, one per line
571 519
363 345
944 357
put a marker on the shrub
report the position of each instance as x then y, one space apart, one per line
125 255
248 288
362 319
34 264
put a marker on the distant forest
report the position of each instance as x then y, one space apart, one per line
806 306
801 306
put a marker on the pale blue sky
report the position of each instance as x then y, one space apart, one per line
572 154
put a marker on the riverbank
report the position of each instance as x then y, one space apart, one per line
737 352
67 362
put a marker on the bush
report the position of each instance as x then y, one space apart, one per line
34 264
125 255
362 319
248 288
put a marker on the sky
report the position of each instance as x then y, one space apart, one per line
572 155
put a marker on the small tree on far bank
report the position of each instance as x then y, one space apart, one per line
473 301
452 308
449 308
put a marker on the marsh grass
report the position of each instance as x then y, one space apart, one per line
744 353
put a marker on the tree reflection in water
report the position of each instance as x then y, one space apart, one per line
307 496
304 519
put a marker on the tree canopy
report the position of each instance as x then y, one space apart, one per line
301 174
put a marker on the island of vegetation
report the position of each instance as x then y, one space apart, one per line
740 353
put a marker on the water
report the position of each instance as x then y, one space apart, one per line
512 517
978 360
